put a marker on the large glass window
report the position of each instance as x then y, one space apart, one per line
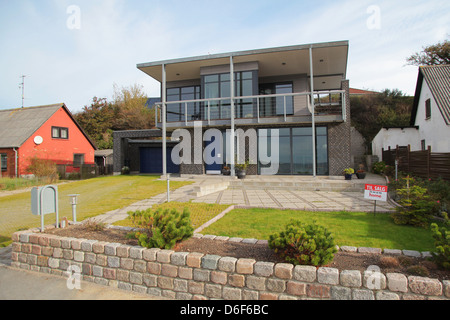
296 151
275 106
177 112
218 86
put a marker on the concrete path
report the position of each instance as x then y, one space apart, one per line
17 284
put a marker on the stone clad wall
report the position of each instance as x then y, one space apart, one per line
185 276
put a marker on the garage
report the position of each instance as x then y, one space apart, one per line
151 160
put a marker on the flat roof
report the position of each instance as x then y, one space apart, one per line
329 62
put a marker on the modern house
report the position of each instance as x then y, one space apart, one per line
285 108
46 132
430 115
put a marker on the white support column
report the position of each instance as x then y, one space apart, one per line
232 153
312 111
164 120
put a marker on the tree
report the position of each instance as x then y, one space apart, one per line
133 113
98 121
370 113
432 55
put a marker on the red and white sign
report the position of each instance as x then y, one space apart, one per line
374 192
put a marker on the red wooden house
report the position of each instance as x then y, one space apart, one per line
46 132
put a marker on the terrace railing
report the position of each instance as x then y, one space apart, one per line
251 107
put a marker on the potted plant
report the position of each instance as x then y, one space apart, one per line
226 171
348 173
361 173
241 169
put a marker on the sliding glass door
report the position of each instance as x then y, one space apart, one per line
296 151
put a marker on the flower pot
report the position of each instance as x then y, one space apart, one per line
361 175
226 172
241 174
348 177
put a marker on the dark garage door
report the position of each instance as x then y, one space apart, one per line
151 161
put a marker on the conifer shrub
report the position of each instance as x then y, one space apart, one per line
441 236
415 207
306 244
161 228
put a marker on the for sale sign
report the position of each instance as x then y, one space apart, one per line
374 192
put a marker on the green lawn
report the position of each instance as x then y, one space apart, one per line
200 212
348 228
97 196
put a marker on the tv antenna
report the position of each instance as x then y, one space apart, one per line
22 86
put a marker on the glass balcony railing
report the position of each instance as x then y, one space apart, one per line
253 107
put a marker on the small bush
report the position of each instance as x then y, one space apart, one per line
415 207
304 244
441 236
379 167
161 228
389 262
43 169
418 271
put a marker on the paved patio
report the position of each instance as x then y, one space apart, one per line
287 192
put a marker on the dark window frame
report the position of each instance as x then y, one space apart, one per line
428 109
3 160
78 164
272 109
59 135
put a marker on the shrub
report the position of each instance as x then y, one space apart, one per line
389 262
415 207
43 169
304 244
418 271
379 167
441 236
161 228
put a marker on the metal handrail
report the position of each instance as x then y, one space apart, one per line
257 97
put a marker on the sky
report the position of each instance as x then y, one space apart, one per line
72 51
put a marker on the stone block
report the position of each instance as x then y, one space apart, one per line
305 273
245 266
179 258
163 256
210 261
318 291
328 275
425 286
194 259
227 264
350 278
283 270
264 269
150 254
397 282
296 288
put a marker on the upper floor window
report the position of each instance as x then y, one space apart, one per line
60 133
428 109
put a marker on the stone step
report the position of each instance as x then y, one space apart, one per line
319 185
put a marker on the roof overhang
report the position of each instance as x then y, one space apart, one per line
329 63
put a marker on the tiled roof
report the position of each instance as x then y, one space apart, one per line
17 125
438 80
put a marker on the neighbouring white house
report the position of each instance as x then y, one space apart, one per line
430 115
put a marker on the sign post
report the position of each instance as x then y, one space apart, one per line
376 193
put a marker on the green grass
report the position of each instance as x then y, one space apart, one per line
348 228
97 196
10 184
200 212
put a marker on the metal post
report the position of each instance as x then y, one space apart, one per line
164 120
74 206
312 111
232 117
168 187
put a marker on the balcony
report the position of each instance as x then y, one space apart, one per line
289 108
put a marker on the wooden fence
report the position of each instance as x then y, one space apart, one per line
424 164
